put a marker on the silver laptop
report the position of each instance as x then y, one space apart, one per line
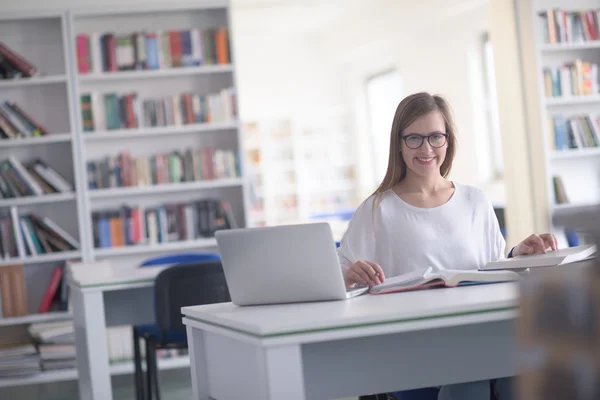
282 264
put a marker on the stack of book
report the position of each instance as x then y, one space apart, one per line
576 132
187 166
120 346
165 223
36 178
16 123
13 65
32 235
56 344
578 78
561 26
113 111
108 52
13 293
18 360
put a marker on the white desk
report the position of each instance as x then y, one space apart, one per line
370 344
104 296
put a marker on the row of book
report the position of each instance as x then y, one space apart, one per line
13 293
35 178
576 132
189 165
16 123
29 234
573 79
108 52
561 26
112 111
13 65
173 222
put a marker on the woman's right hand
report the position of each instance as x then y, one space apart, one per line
363 273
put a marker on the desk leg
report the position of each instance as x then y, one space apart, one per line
223 368
198 364
90 342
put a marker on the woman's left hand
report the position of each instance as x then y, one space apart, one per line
535 244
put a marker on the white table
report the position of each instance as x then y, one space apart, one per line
103 295
370 344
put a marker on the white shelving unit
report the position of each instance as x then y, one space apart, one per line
579 169
48 40
42 39
144 141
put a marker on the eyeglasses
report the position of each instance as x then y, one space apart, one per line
436 140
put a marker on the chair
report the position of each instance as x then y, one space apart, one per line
203 271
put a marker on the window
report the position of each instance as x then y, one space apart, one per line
492 108
384 92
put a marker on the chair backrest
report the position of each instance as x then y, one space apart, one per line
187 285
181 259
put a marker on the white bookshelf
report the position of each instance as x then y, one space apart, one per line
579 169
53 98
147 140
42 38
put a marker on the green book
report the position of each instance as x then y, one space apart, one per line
87 116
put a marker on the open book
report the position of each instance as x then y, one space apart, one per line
548 259
433 277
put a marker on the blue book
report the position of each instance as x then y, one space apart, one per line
561 133
104 231
187 59
152 52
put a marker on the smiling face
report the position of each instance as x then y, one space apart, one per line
425 160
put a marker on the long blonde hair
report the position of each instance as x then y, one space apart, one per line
407 112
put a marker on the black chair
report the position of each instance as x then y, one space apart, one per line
176 287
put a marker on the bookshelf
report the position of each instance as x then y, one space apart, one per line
567 42
49 40
157 85
41 39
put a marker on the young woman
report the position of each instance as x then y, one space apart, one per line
417 217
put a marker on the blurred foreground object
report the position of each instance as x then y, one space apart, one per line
559 323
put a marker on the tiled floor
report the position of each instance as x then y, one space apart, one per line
174 385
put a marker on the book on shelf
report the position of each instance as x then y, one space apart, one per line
431 277
560 194
13 65
18 359
576 132
577 78
112 111
31 235
175 167
110 52
562 26
34 178
55 342
167 223
17 123
13 291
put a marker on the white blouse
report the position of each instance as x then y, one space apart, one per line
463 233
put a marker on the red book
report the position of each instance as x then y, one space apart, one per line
176 49
51 291
589 16
130 112
17 61
83 53
207 163
188 109
110 52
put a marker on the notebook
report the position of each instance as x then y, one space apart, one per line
438 277
548 259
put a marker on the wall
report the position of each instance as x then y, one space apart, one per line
437 55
